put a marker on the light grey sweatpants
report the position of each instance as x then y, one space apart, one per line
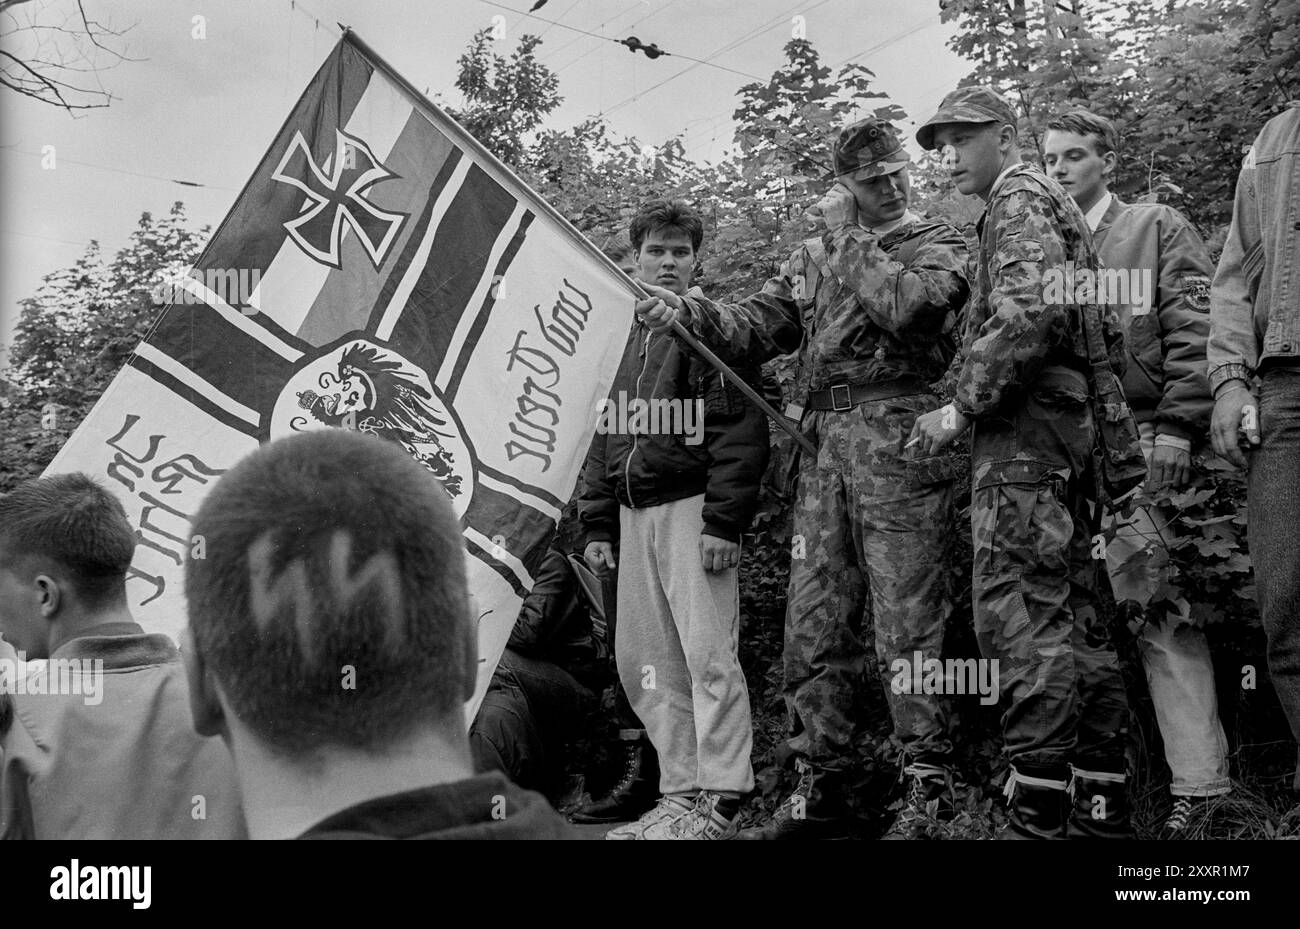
675 645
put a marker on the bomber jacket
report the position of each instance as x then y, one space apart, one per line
644 470
1166 379
1255 298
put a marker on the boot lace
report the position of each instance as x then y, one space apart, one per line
1178 816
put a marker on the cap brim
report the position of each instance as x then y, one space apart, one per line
925 135
866 172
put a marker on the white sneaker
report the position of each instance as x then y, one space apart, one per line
668 808
702 821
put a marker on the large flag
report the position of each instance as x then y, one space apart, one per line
379 271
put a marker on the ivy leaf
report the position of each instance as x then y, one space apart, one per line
1217 548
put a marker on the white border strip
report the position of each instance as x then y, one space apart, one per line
448 193
501 555
239 320
190 379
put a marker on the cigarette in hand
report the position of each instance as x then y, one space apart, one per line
911 443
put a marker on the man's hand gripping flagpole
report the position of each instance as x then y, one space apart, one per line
660 311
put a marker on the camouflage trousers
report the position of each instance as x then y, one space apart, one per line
1034 587
868 522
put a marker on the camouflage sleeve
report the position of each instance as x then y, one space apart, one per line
946 386
903 300
1011 346
760 327
1183 306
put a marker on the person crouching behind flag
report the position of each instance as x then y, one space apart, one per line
677 508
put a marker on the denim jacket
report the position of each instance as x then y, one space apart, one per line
1255 298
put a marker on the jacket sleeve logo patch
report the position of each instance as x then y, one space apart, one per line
1196 288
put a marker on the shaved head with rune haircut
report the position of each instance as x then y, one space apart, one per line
331 551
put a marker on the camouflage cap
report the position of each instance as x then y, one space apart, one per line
870 144
967 105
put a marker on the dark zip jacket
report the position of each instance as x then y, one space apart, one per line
645 469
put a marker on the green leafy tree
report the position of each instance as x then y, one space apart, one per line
75 333
506 99
1188 83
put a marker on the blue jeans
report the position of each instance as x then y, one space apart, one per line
1275 532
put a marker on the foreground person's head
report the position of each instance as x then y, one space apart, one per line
329 623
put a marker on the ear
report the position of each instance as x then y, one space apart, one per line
49 596
1006 138
205 705
1110 161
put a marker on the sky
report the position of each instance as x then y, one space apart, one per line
208 83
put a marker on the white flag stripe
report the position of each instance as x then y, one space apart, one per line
380 116
239 320
290 285
397 305
291 282
197 384
501 555
523 496
470 315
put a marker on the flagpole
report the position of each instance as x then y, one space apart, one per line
467 140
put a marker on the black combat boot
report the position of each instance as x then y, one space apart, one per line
637 789
1039 801
929 795
1101 807
815 810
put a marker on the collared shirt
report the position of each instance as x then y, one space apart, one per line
1094 215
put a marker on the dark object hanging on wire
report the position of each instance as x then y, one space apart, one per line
634 45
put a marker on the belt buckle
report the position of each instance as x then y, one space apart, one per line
848 399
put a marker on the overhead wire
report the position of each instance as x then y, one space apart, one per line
574 41
629 27
696 61
567 11
718 120
736 43
99 167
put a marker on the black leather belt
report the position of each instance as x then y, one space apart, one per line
843 397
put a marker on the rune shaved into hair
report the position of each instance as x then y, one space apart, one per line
326 551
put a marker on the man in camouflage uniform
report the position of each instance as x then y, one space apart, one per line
867 305
1021 383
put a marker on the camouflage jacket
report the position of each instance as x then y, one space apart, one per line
1166 380
1031 233
859 308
